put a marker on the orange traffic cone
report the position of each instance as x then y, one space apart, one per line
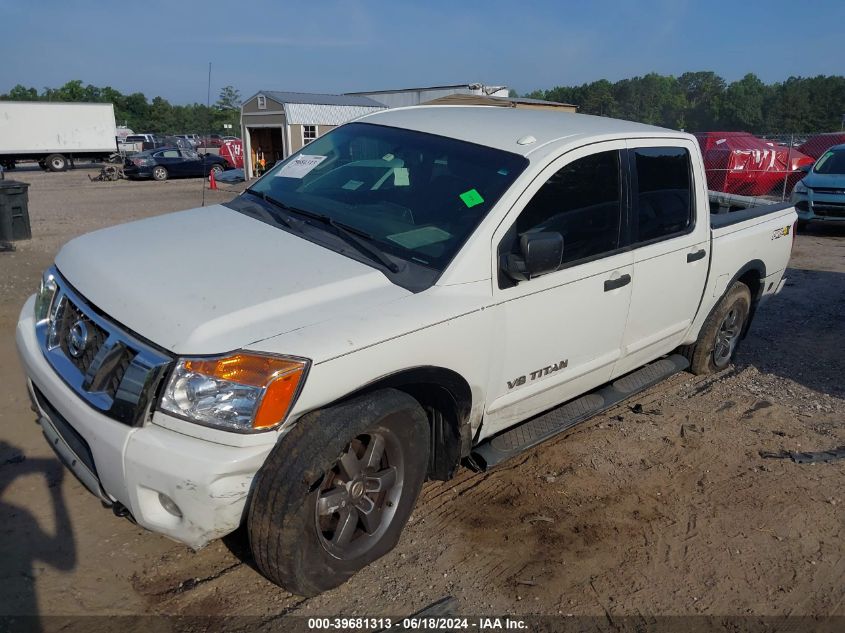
212 181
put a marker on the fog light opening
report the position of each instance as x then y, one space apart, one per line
169 505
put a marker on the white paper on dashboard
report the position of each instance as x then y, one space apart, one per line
300 166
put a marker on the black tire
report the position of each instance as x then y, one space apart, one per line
720 335
217 169
299 491
802 225
56 162
160 173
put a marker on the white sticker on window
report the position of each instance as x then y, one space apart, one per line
400 177
300 166
423 236
352 185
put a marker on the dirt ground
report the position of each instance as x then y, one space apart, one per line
661 506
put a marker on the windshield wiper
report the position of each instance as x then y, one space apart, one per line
287 220
348 234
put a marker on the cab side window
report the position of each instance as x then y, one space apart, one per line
664 193
582 202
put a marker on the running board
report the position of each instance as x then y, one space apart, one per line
538 429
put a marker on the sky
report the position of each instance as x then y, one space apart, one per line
164 47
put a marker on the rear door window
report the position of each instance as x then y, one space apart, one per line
664 197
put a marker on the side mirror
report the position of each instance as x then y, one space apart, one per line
805 168
541 253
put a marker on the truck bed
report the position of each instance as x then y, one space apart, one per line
728 209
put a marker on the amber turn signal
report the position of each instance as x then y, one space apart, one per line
279 378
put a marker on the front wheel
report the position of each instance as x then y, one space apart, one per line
215 169
56 162
335 493
720 335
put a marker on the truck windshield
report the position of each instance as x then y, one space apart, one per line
416 196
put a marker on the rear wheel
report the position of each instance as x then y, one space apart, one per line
335 493
720 335
159 173
802 225
56 162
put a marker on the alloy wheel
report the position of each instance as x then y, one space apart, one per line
357 499
727 338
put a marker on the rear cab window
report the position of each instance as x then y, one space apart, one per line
663 194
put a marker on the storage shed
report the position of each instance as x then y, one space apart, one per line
276 124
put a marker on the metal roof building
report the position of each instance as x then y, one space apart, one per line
276 124
415 96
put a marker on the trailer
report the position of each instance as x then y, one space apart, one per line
56 134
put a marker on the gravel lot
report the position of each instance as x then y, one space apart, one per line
665 508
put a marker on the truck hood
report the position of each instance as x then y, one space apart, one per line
211 280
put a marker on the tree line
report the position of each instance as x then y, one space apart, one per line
702 101
158 116
694 101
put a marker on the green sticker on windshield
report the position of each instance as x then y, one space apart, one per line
471 198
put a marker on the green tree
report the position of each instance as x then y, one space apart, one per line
742 107
703 93
230 99
21 93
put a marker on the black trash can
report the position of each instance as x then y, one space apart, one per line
14 211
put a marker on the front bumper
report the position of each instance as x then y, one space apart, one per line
819 207
209 482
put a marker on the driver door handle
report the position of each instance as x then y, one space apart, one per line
613 284
694 257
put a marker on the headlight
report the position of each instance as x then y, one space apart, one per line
241 392
44 297
800 187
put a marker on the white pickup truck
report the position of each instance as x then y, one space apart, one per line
419 289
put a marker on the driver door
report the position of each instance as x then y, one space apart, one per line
561 333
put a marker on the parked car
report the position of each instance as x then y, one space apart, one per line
418 289
212 140
176 141
193 139
740 163
817 145
820 196
140 142
172 162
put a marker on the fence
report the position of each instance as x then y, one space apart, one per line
766 166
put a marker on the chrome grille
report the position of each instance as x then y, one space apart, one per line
108 367
69 317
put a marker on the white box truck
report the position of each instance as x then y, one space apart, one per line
56 134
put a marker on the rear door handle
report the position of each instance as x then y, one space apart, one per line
694 257
613 284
